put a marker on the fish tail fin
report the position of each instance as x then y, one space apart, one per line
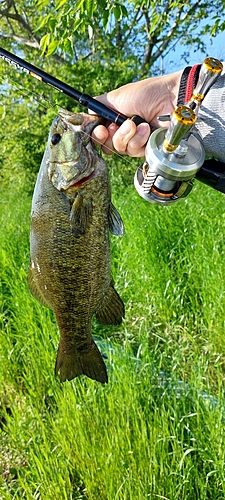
87 362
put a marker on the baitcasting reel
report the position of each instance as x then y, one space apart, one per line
174 156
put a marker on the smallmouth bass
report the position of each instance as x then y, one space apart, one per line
71 217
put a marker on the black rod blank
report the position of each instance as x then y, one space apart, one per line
84 99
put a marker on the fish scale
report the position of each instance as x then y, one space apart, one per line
70 258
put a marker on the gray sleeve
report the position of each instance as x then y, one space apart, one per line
210 125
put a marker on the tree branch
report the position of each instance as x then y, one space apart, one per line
22 40
149 47
135 21
31 40
150 57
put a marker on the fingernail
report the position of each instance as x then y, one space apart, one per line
143 129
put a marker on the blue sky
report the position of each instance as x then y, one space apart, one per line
214 48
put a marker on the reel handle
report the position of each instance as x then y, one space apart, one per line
210 70
184 117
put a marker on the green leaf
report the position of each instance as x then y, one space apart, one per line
59 4
68 46
117 12
53 23
124 11
43 21
102 4
44 42
52 47
79 5
214 29
89 7
76 24
105 19
42 3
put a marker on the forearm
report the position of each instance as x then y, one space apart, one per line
210 126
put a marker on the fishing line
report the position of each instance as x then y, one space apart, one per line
47 104
36 97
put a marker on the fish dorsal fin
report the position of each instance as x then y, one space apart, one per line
36 292
116 226
112 310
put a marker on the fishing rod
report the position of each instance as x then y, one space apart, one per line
84 100
174 156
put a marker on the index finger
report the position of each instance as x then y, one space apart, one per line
100 134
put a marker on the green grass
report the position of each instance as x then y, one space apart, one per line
157 429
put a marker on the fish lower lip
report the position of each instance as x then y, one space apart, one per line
82 181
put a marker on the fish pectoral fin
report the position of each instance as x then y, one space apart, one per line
34 289
87 361
112 310
80 214
116 226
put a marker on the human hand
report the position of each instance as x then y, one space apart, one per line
147 98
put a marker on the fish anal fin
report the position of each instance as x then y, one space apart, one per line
116 226
112 309
80 214
35 290
87 362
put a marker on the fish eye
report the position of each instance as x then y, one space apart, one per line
55 139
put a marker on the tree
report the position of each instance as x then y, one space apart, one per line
111 42
137 31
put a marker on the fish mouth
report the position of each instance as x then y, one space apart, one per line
82 181
59 180
63 185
